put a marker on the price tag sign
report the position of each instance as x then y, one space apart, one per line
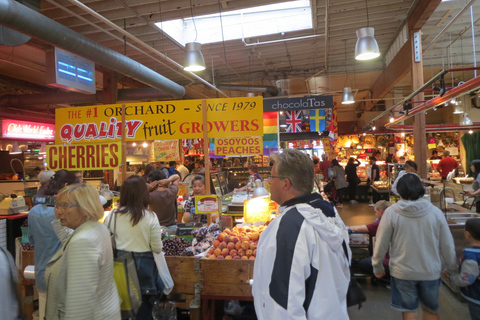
206 204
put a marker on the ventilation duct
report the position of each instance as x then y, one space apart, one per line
34 24
75 98
12 38
273 91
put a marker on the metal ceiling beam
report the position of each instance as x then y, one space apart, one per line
456 92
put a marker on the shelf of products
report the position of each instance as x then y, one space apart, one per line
239 176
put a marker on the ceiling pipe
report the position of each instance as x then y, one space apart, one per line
21 18
280 40
7 114
449 24
273 91
75 98
437 127
460 90
143 44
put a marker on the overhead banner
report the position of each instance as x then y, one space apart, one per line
161 120
301 103
238 146
96 156
166 150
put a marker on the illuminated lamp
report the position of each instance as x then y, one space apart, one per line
15 149
257 209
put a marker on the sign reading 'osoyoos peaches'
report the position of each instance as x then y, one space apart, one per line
84 157
161 120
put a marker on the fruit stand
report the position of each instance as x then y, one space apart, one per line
208 281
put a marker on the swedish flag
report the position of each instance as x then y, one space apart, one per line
317 120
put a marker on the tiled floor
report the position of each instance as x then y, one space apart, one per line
377 306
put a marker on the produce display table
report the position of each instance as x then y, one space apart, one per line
381 193
24 258
185 272
209 281
224 280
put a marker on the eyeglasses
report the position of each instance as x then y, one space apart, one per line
64 206
270 178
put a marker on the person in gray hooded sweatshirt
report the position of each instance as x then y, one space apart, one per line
419 240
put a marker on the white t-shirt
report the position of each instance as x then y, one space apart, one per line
143 237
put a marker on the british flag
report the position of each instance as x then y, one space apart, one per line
294 121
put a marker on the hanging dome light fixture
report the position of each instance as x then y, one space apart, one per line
193 60
347 97
366 47
466 121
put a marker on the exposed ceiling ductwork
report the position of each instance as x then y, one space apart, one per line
34 24
273 91
75 98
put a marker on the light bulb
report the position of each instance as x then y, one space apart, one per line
392 119
403 134
364 134
145 145
374 128
134 144
470 131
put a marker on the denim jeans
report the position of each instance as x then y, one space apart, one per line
474 310
407 293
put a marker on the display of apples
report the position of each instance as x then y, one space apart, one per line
238 243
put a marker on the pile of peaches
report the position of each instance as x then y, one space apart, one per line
235 244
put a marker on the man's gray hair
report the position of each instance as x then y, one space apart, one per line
297 167
45 176
446 153
324 156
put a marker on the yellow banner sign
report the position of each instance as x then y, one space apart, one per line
326 144
98 156
238 146
166 150
161 120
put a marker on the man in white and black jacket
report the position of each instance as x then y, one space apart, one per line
301 269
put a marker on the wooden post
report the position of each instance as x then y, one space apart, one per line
206 160
419 135
124 146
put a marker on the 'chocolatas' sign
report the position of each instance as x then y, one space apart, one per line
96 156
161 120
298 103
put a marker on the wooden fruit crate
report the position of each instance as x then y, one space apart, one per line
227 278
185 272
22 258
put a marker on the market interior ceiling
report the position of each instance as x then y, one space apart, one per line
322 64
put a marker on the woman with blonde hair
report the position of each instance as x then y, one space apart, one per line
79 277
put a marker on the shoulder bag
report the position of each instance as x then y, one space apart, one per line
126 277
355 294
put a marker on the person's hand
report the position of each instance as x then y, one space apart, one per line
153 185
467 193
380 274
446 275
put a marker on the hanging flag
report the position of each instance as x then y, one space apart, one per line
184 145
317 120
294 121
333 124
270 132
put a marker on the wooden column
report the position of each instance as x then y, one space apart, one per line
124 146
206 160
419 135
109 93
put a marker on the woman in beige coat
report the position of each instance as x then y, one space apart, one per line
79 277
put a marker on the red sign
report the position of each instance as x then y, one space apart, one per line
27 130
